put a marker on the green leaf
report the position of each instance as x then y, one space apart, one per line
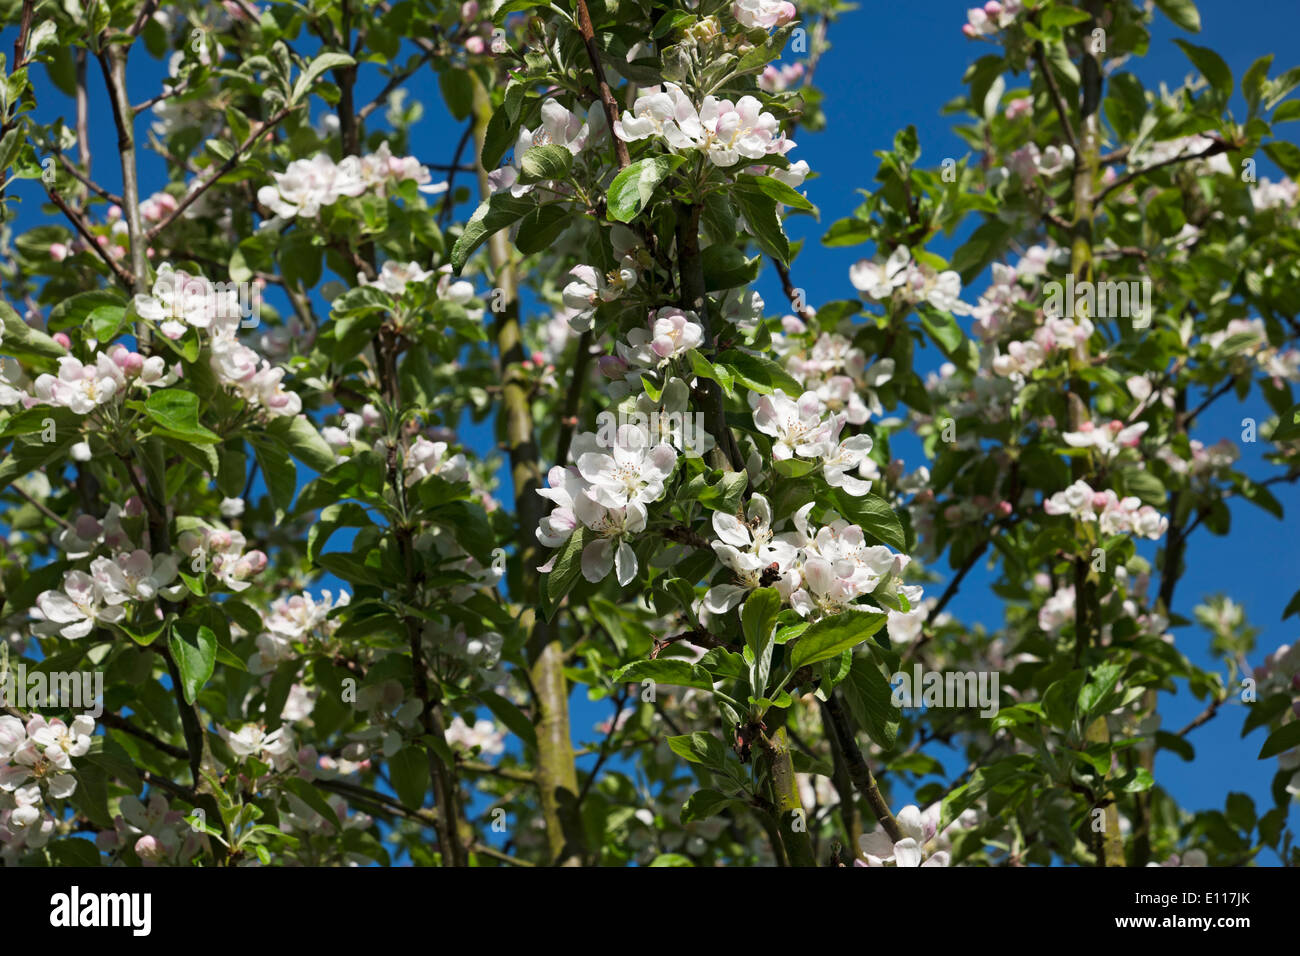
494 214
1182 12
700 748
632 188
564 572
1282 739
1286 155
870 700
758 372
541 226
758 618
703 804
832 635
1179 745
194 648
1252 84
1293 606
1288 425
409 771
309 795
177 411
326 61
21 339
544 163
279 472
458 92
72 851
943 328
981 781
774 188
103 323
671 859
665 670
1211 66
764 224
873 515
510 715
301 439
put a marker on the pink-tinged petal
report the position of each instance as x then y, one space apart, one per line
907 853
597 560
721 598
74 631
729 529
625 565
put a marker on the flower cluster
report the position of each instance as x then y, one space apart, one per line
816 571
1114 515
221 553
36 765
910 282
297 619
159 835
726 132
308 185
805 428
606 491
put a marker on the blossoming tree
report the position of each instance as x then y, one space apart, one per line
244 411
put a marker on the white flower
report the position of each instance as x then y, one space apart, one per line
740 130
838 459
880 850
610 550
394 277
1109 439
672 333
668 113
79 387
751 551
252 740
74 611
796 427
631 472
426 458
879 281
308 184
762 14
483 735
564 485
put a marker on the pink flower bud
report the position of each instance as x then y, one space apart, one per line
63 340
1004 508
58 251
611 366
474 45
993 8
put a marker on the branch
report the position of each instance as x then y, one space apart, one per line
122 276
212 177
606 94
859 772
1062 110
1218 146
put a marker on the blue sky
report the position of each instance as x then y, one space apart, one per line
891 65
